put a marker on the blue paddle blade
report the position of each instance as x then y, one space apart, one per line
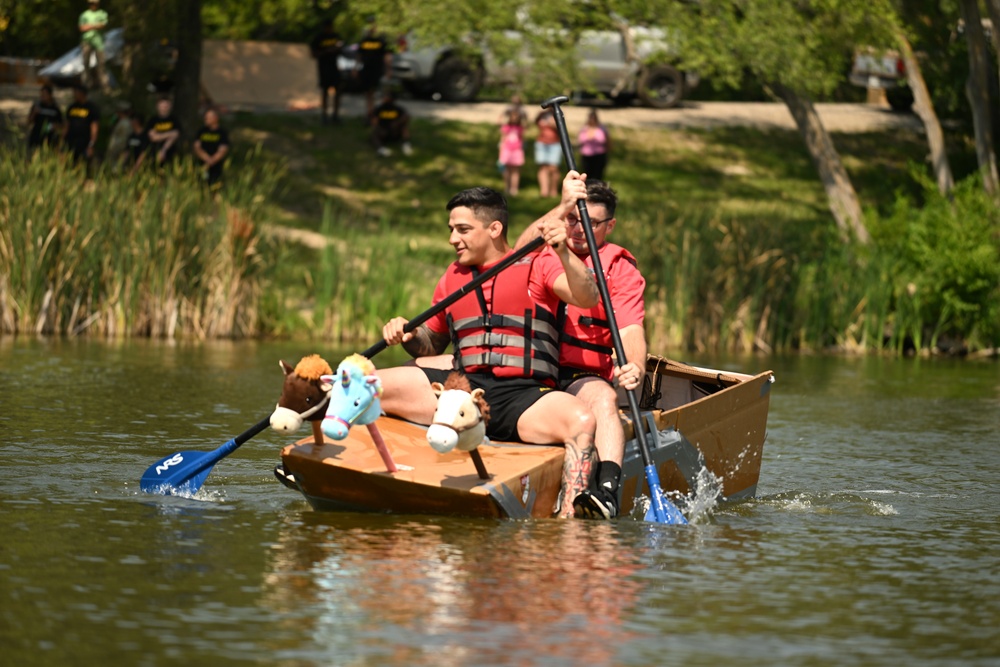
661 510
179 473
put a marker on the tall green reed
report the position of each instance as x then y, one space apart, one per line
129 255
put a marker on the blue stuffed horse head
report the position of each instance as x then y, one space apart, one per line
354 397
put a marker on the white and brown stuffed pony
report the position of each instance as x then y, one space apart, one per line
460 419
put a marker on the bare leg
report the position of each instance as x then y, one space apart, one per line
601 399
406 393
560 417
515 179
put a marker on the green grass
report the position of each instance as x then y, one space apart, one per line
730 226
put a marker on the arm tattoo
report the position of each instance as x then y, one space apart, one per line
426 343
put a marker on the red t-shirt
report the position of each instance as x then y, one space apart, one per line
625 284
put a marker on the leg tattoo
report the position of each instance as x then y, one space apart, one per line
578 464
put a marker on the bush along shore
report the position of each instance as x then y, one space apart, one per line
747 262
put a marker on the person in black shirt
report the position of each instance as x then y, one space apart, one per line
137 145
390 123
45 120
211 146
83 122
164 132
326 48
374 57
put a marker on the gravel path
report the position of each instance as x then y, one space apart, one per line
16 100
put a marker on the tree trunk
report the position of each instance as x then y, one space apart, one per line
993 9
187 75
924 108
840 192
978 90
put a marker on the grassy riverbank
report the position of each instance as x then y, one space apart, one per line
730 227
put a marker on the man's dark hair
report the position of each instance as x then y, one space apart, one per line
485 203
599 192
47 88
80 88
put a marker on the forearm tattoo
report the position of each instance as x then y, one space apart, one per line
425 343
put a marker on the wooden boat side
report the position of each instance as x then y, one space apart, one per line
723 432
704 419
349 475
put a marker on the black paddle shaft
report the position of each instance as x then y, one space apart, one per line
460 292
602 283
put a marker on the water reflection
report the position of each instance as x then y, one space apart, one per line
466 592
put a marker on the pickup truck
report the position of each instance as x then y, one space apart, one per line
451 74
883 69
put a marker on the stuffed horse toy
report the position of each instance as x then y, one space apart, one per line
354 399
304 396
460 419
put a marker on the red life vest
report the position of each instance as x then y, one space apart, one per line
510 337
585 339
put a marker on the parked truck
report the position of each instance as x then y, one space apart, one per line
632 62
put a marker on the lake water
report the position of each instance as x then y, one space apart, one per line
874 539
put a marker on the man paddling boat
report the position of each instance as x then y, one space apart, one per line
586 369
505 338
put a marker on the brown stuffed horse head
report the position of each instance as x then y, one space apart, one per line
304 395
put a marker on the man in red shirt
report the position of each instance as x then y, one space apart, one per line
586 369
504 338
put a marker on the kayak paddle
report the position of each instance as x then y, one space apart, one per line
661 510
185 472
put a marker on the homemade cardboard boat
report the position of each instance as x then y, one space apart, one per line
700 421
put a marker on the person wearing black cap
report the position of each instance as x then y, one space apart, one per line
390 123
374 57
45 121
83 122
325 48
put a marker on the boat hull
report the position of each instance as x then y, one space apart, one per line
705 420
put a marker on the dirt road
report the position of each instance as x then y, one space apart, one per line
15 101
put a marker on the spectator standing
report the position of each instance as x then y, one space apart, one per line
164 132
512 150
211 146
594 142
92 23
374 58
83 124
44 121
548 154
326 48
390 123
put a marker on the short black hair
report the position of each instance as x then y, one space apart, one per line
80 88
485 203
599 192
47 88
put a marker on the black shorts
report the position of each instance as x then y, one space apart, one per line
329 78
568 376
369 80
508 398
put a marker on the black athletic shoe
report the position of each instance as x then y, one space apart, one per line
597 504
